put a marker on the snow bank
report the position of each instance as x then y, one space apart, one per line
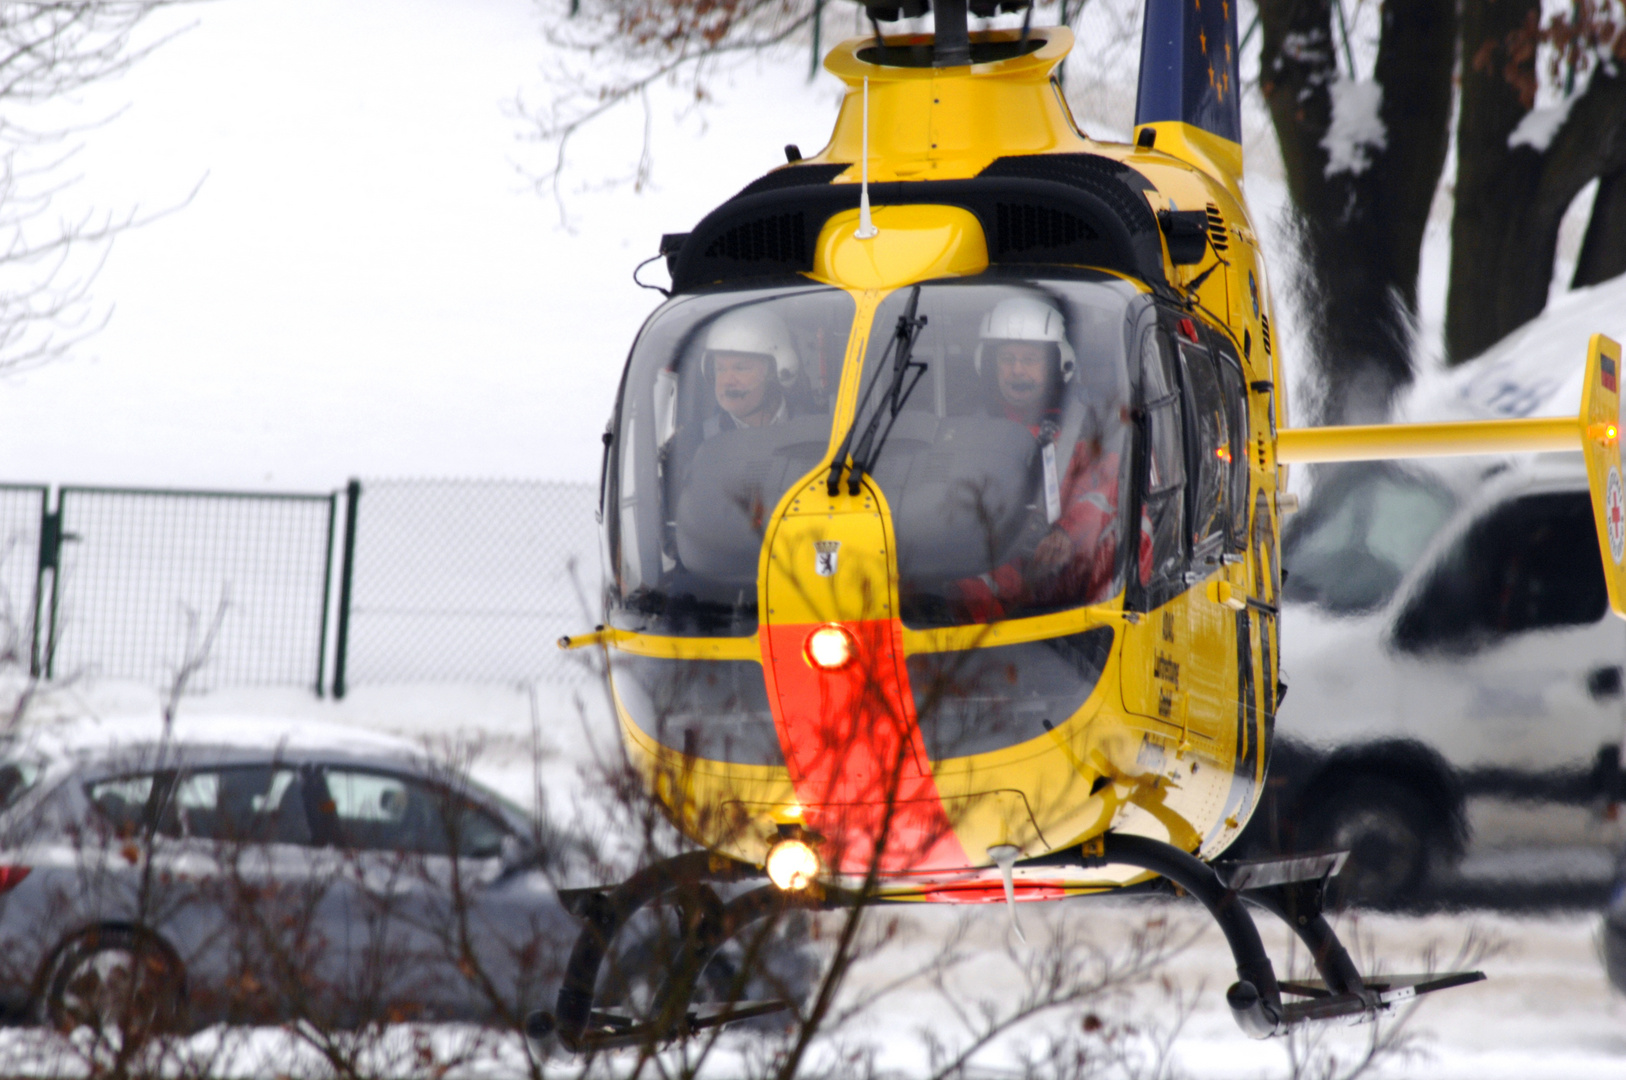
1534 371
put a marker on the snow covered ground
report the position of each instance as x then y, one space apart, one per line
1546 1010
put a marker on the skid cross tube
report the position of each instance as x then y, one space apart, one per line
1299 906
605 914
713 931
1256 997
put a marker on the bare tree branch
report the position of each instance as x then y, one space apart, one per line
48 50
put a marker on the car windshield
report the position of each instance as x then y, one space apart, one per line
1364 529
727 402
490 795
1004 466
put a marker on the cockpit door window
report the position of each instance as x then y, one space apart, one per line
1236 401
1163 483
727 401
1210 448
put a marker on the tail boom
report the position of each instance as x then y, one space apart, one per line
1595 432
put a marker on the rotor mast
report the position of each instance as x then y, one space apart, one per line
951 45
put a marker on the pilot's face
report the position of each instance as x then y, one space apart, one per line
742 383
1023 370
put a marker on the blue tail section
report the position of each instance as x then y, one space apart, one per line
1189 66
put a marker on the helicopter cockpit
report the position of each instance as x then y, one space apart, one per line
1005 469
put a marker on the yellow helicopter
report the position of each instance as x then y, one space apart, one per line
942 502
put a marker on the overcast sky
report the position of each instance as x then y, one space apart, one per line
365 283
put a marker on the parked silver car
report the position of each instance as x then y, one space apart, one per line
249 872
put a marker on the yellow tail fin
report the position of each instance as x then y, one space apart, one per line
1600 441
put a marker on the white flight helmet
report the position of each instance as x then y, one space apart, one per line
1023 318
754 329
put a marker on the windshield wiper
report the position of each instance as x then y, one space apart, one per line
906 375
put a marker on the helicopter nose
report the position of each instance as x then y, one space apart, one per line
833 660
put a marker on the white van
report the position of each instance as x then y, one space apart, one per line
1456 681
1455 676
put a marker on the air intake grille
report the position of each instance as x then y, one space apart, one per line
1216 230
1116 184
1264 331
779 238
1024 227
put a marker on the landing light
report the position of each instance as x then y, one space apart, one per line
830 648
792 865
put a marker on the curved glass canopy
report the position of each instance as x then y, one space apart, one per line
1006 466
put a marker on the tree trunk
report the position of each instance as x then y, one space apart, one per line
1510 199
1603 250
1361 212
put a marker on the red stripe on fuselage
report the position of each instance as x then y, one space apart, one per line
984 892
855 752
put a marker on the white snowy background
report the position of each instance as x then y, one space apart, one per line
367 283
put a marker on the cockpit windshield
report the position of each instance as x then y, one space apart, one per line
1002 468
727 402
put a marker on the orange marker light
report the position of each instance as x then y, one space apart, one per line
830 648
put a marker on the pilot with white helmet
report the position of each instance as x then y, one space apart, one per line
1025 359
751 368
1024 350
751 363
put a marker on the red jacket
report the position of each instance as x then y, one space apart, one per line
1089 518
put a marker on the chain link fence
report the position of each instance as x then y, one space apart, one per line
142 574
440 581
467 581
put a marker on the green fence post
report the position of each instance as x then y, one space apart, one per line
49 549
347 568
327 596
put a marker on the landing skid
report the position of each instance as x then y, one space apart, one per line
1292 889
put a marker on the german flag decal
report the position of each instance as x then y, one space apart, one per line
1606 374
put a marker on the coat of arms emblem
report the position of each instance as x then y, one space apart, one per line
824 557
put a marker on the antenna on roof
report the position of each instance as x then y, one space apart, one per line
866 226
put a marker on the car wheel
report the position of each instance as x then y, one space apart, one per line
1389 834
121 982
